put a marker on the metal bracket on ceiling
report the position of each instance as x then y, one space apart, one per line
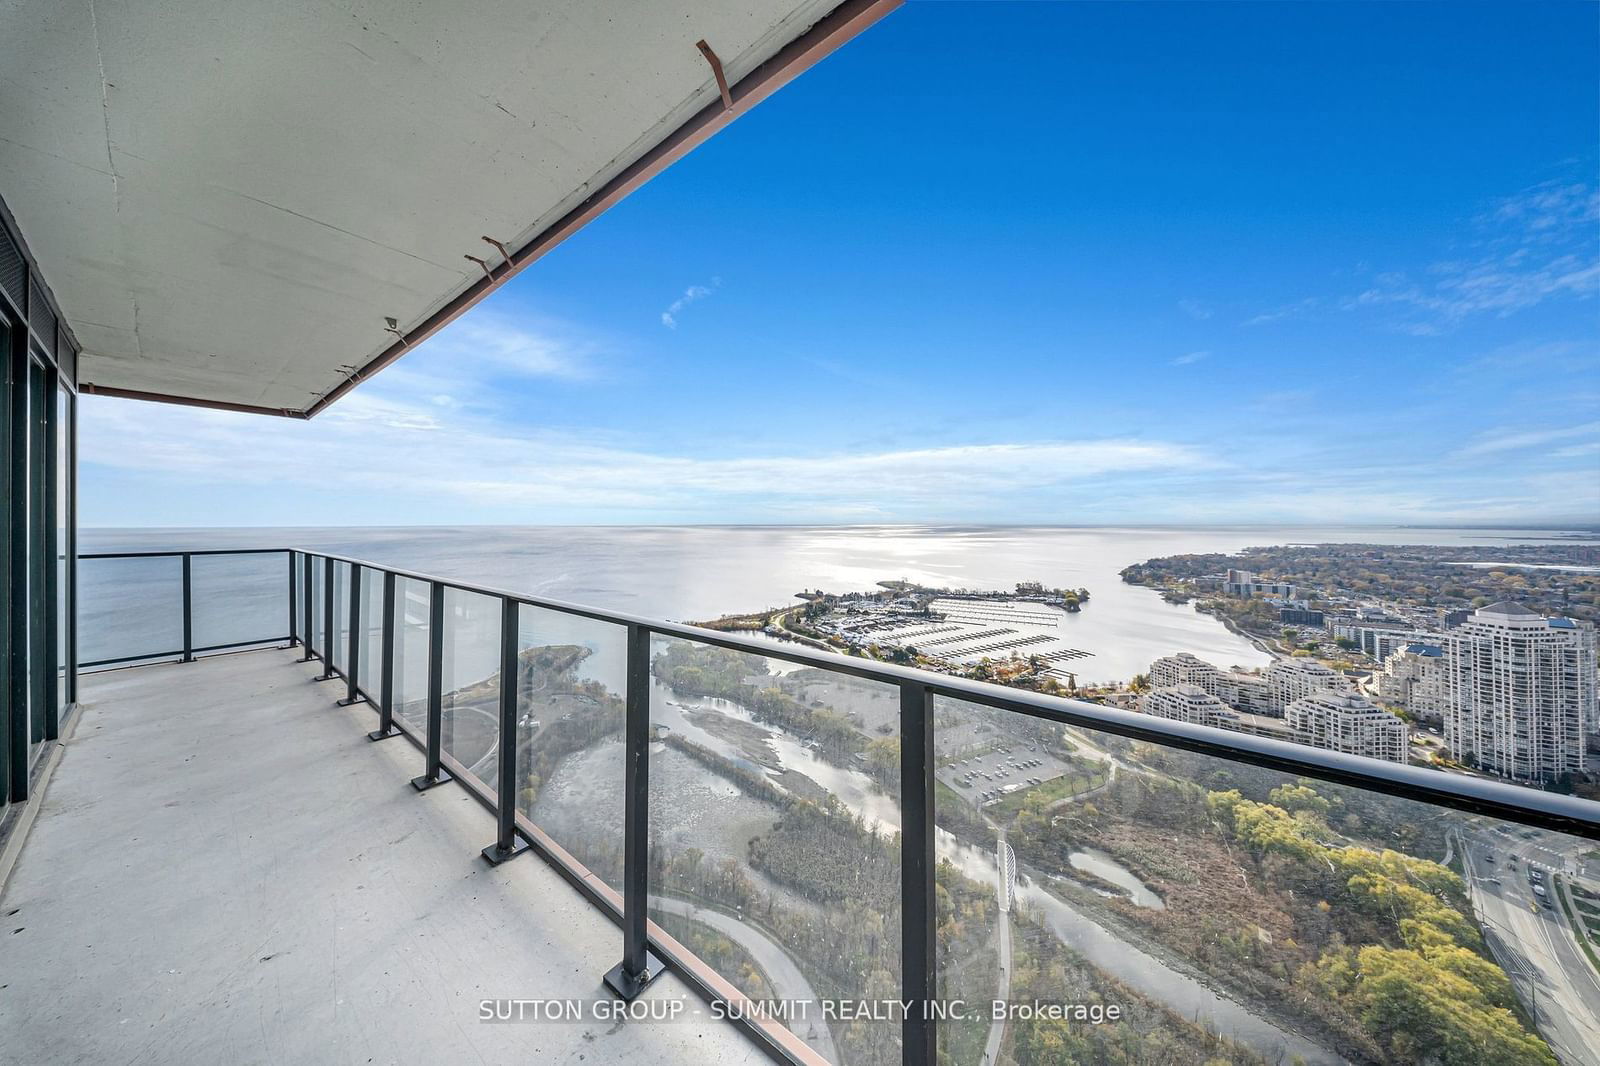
716 69
501 248
482 265
392 326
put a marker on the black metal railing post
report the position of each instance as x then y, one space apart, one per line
294 628
918 936
386 727
507 844
306 607
188 610
352 658
638 966
432 773
328 632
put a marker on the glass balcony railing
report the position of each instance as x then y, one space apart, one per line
144 606
807 838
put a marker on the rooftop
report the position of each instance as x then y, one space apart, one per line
1509 610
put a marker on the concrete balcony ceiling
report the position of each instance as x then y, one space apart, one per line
230 200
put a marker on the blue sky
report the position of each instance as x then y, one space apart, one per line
1056 263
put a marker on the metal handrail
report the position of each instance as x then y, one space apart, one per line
643 941
1473 795
189 650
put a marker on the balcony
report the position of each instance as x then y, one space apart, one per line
239 870
309 834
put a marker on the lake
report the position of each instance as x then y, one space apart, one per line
692 573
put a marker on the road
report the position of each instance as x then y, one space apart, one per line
788 983
1005 890
1533 944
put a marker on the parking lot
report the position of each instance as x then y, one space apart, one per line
1010 767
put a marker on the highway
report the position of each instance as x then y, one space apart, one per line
1534 944
1005 890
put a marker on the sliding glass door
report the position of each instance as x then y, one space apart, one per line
38 544
38 518
37 497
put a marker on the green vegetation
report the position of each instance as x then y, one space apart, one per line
575 714
720 953
1424 989
1425 575
1077 780
1320 904
702 670
1372 949
1045 970
802 852
1582 930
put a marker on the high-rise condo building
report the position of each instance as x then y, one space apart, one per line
1521 692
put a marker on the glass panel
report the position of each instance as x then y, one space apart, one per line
570 716
300 593
369 667
774 820
37 549
318 625
469 722
237 598
340 649
411 653
63 492
1234 914
129 607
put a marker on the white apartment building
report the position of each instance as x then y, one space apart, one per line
1243 583
1245 692
1241 692
1185 702
1379 641
1292 679
1184 668
1414 677
1521 692
1343 721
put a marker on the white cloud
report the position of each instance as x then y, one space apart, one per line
669 317
1190 358
1528 248
388 446
1299 307
1516 440
489 342
1195 309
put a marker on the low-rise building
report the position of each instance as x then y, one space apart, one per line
1292 679
1345 722
1190 703
1415 677
1184 668
1381 639
1243 584
1247 693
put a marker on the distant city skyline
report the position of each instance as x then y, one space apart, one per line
1075 264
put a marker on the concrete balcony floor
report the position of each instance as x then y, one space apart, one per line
224 869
